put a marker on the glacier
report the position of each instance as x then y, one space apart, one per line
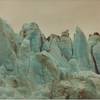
33 66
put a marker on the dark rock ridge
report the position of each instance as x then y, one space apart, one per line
35 67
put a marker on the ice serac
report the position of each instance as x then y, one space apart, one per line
94 43
65 45
81 53
57 55
6 44
30 47
32 32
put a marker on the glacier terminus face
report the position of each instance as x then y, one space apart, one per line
33 66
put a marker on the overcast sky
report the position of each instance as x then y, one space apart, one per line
53 16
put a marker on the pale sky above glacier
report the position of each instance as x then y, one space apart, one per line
53 16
